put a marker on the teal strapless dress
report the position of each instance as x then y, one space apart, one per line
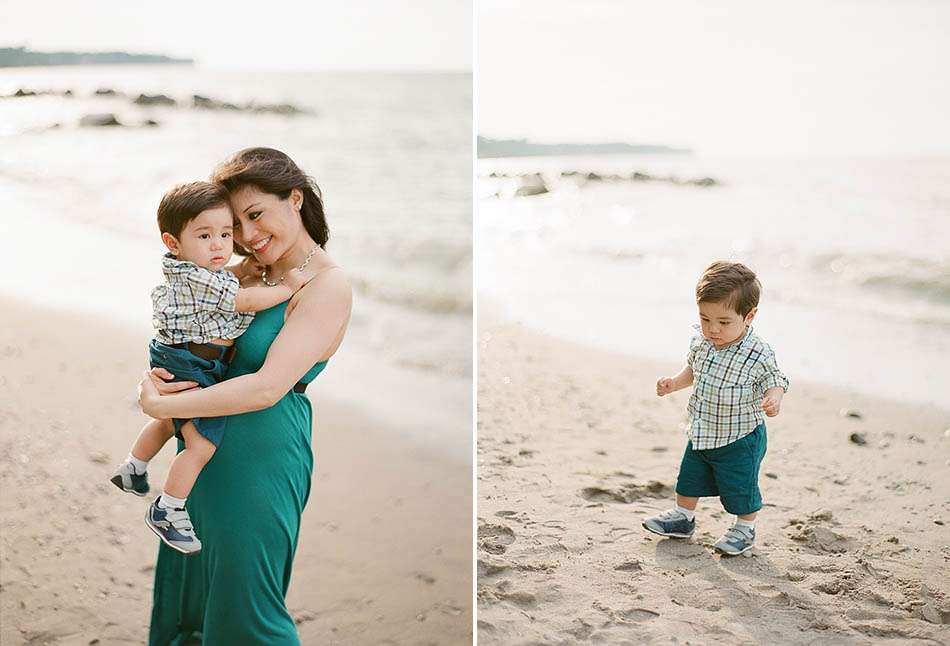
246 508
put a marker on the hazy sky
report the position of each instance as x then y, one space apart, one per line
828 77
363 34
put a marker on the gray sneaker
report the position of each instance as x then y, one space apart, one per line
737 540
672 523
174 527
127 480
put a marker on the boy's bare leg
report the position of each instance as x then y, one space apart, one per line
152 438
748 516
687 502
131 475
189 463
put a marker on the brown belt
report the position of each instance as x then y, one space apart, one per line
207 351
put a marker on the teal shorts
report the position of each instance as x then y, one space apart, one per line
730 472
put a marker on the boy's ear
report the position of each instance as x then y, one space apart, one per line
171 242
751 315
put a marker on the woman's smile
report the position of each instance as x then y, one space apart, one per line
261 245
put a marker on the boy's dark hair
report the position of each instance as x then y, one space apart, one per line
272 171
730 283
185 202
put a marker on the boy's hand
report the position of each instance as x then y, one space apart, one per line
664 386
772 404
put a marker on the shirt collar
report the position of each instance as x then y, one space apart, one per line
172 266
740 343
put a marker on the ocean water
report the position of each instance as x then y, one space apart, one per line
391 153
853 254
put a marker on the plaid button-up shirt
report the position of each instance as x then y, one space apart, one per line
728 388
196 304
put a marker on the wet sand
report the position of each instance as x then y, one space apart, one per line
385 545
574 449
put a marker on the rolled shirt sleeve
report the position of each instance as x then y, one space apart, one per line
214 290
772 376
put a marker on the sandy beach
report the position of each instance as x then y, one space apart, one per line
574 449
385 545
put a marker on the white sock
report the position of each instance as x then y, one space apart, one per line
745 523
138 466
689 513
170 502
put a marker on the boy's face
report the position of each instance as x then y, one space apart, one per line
207 240
721 324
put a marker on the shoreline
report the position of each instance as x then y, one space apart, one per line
575 448
77 560
499 314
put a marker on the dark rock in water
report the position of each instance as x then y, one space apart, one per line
105 91
151 123
154 99
641 177
850 412
96 120
21 92
858 438
286 109
569 173
593 177
531 185
703 181
206 103
67 92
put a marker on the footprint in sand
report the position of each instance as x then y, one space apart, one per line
488 567
629 566
821 539
627 493
495 539
637 615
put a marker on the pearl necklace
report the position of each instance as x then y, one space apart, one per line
300 268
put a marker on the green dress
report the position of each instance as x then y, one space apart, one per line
246 508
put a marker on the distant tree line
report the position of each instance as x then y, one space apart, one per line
22 57
523 148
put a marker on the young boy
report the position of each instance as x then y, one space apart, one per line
198 312
736 380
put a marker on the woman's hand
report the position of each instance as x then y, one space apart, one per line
160 377
149 396
153 386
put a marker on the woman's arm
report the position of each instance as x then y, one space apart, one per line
311 331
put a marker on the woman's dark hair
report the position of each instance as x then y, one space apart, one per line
271 171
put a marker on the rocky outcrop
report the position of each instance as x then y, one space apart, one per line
205 103
154 99
99 120
531 185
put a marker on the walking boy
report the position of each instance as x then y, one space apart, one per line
736 384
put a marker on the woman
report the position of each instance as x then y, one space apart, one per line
247 503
